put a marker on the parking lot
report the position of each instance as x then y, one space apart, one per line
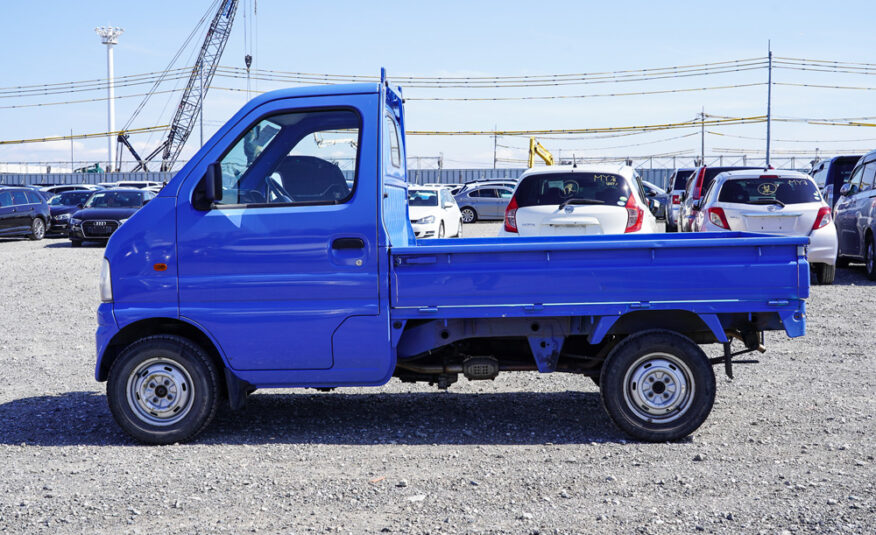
788 447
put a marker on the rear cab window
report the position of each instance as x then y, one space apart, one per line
769 190
579 188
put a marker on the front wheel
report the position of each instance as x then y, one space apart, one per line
469 215
163 389
657 386
441 230
825 273
37 229
870 259
459 229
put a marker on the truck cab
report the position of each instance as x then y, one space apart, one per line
282 255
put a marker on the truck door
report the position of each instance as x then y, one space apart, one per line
275 268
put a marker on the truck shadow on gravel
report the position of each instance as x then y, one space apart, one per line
83 419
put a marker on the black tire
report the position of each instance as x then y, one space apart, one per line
825 273
469 215
441 230
870 258
187 383
680 379
459 229
37 229
75 243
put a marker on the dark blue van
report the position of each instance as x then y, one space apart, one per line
830 175
23 212
855 216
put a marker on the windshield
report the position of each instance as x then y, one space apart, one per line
578 188
421 197
769 190
115 199
71 198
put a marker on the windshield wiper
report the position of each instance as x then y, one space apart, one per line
768 201
580 201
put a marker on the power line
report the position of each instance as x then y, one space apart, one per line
594 95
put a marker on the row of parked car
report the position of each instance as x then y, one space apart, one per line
835 205
82 212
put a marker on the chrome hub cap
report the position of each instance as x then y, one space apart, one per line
160 392
658 388
467 216
39 228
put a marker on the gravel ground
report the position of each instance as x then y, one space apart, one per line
788 448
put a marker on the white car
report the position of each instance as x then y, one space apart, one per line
566 200
773 202
431 218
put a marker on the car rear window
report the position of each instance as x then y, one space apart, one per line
422 198
769 190
595 188
841 170
681 179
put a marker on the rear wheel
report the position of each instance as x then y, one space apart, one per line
163 389
37 229
870 258
469 215
657 386
825 273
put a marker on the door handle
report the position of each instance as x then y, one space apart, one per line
348 243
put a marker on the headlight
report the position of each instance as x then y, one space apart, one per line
426 220
122 221
63 217
106 284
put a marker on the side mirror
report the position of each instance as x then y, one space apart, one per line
80 206
213 185
652 206
848 189
448 205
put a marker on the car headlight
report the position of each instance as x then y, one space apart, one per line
426 220
106 284
121 222
63 217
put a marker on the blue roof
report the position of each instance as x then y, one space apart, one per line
315 91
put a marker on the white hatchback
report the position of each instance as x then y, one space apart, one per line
773 202
578 200
434 213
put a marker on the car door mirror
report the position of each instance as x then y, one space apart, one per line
213 183
848 189
448 204
695 205
80 206
652 206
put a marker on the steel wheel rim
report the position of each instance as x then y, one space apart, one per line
659 388
467 215
160 392
39 229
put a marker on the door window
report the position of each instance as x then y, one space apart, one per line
855 179
5 199
505 193
18 198
867 177
392 145
32 197
301 158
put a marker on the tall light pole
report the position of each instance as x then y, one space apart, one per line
109 36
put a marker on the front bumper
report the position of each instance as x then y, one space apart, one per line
429 230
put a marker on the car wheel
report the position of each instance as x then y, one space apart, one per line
75 243
37 229
441 230
657 386
825 273
870 259
459 229
469 215
163 389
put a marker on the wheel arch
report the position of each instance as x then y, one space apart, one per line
683 322
152 326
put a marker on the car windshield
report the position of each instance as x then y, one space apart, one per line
70 198
681 178
422 197
115 199
769 191
577 188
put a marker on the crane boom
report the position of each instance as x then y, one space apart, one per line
537 149
190 104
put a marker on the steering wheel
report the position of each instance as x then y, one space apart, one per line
252 196
340 191
279 191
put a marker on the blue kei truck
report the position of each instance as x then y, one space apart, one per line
282 255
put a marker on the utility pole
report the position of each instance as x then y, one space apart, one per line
495 143
110 37
769 99
703 136
72 166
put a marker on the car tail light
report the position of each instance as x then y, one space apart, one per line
635 215
717 217
511 216
676 199
822 219
698 189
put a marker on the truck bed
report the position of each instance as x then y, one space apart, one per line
706 273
